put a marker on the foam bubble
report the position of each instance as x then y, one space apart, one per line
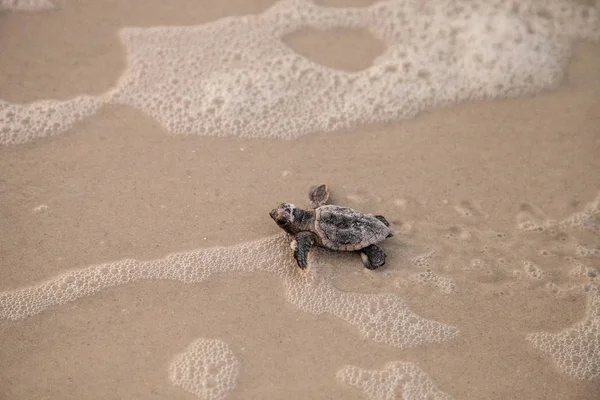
396 380
576 350
26 5
235 76
40 208
383 318
207 368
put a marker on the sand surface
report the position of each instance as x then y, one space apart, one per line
494 203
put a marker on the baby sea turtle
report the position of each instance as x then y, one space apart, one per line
332 227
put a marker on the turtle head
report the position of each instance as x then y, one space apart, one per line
283 215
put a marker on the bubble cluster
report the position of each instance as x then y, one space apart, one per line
576 350
396 380
236 76
587 252
207 368
423 260
26 5
588 219
530 222
530 219
445 285
23 123
533 270
383 318
580 270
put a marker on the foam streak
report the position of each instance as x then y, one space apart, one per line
383 318
396 380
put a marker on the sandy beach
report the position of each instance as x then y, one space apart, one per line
491 285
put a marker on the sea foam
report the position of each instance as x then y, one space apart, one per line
236 76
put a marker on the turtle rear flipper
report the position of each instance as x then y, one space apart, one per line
318 196
373 257
386 223
382 219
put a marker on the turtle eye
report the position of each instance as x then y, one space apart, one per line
281 222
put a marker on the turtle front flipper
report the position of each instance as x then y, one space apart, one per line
373 256
304 241
318 196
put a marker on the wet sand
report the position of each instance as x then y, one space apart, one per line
452 180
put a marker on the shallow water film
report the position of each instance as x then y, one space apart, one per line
144 143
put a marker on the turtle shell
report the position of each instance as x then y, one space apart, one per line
342 228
